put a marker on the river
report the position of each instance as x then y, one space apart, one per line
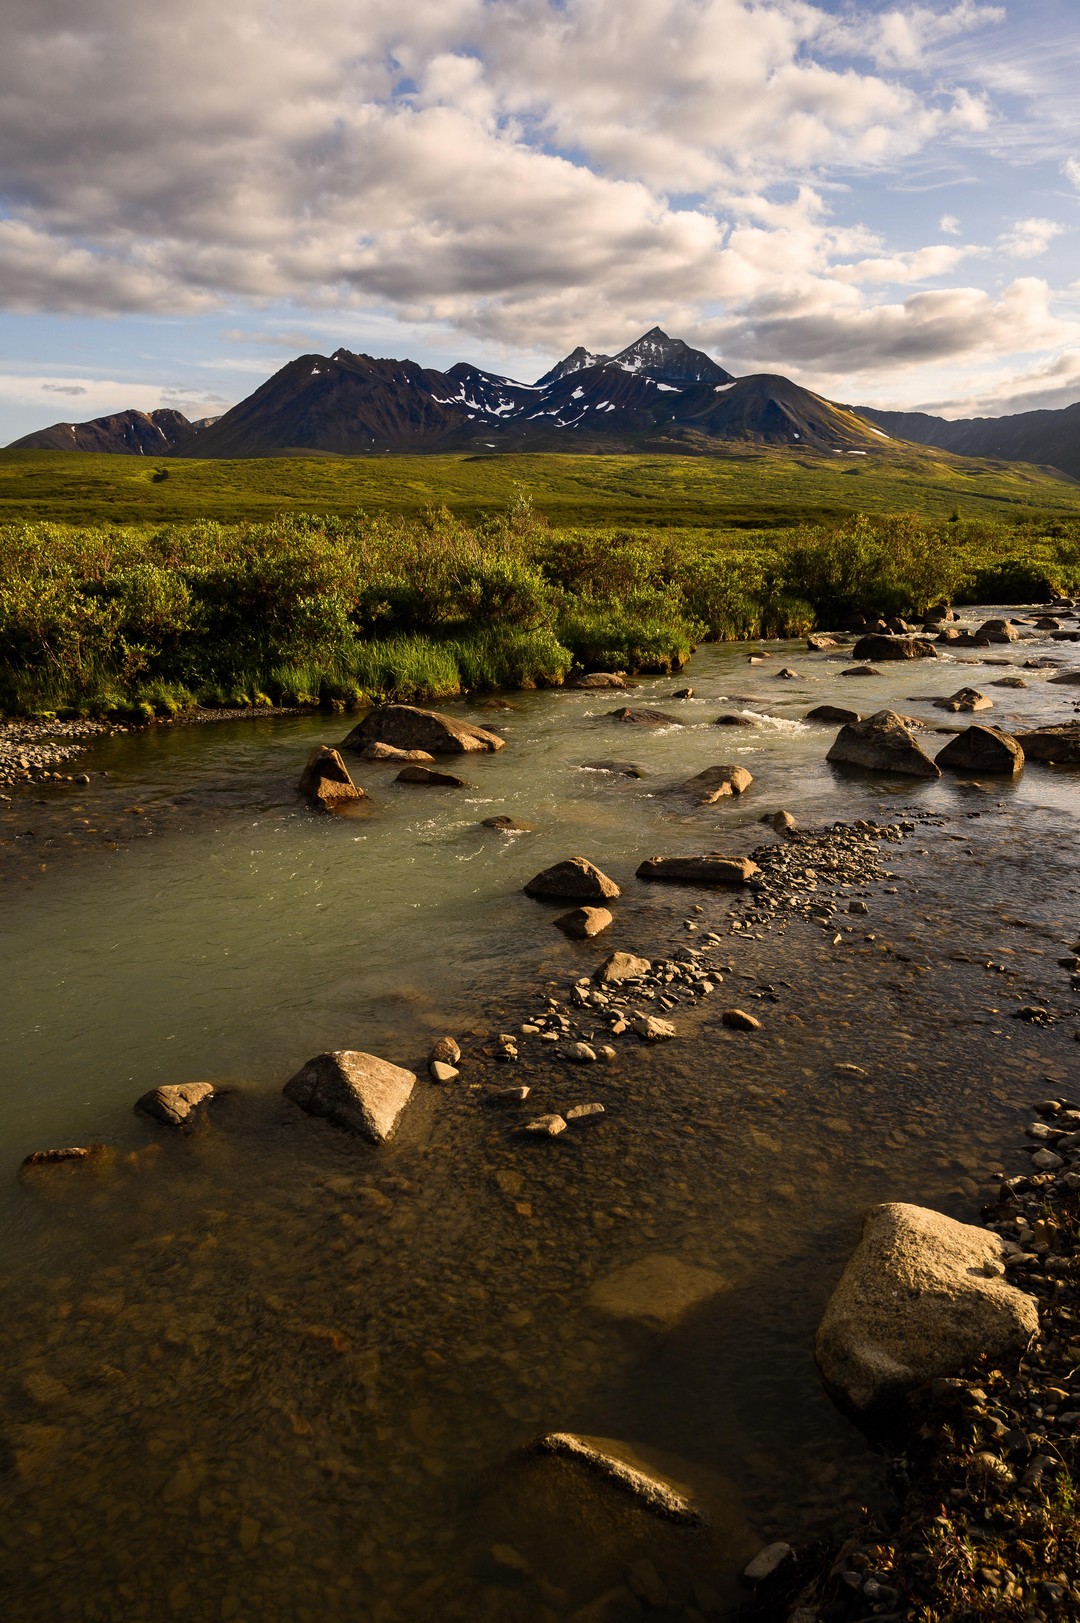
262 1370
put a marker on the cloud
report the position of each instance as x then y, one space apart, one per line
1071 170
63 388
1029 239
950 225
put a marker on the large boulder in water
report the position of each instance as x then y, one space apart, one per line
355 1090
575 880
1059 745
325 779
882 743
965 699
644 718
997 631
878 646
982 749
710 869
921 1296
407 727
716 782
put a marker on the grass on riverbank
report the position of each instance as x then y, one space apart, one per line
306 609
752 487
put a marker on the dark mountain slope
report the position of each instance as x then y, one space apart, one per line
128 433
1049 438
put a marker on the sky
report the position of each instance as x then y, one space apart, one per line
878 199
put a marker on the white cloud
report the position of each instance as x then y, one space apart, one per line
1029 239
950 225
1071 170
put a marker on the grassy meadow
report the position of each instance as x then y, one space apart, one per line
750 487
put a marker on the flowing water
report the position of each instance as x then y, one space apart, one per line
264 1370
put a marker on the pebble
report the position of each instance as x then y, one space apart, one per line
441 1072
546 1126
580 1053
583 1112
739 1020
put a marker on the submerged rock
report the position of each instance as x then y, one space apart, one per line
175 1103
710 869
921 1296
508 825
882 743
716 782
325 779
731 718
683 693
426 774
880 647
575 880
645 718
651 1029
739 1020
1069 679
782 821
581 923
71 1152
622 769
356 1090
407 727
982 749
658 1290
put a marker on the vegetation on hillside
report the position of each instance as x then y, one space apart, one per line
307 610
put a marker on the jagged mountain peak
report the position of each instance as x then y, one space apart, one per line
669 360
577 361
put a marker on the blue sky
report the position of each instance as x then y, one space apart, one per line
880 200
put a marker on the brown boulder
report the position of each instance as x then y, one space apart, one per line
325 779
879 646
710 869
575 880
175 1103
997 631
965 699
716 782
1067 679
832 712
581 923
620 769
387 752
507 825
592 681
819 641
355 1090
882 743
407 727
1058 745
982 749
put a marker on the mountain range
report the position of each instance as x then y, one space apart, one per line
657 394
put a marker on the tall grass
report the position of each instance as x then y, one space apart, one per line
306 610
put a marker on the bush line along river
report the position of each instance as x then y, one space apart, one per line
266 1370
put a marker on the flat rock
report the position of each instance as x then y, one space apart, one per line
325 779
1068 679
657 1290
1009 682
819 641
709 869
651 1028
982 749
441 1071
358 1091
174 1103
1059 744
549 1126
507 825
627 1470
70 1153
832 712
427 774
575 880
582 923
921 1296
620 769
716 782
407 727
386 752
965 699
880 647
644 718
882 743
860 670
592 681
766 1562
590 1112
621 966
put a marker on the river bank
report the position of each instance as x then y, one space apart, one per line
271 1339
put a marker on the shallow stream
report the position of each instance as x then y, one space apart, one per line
266 1371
